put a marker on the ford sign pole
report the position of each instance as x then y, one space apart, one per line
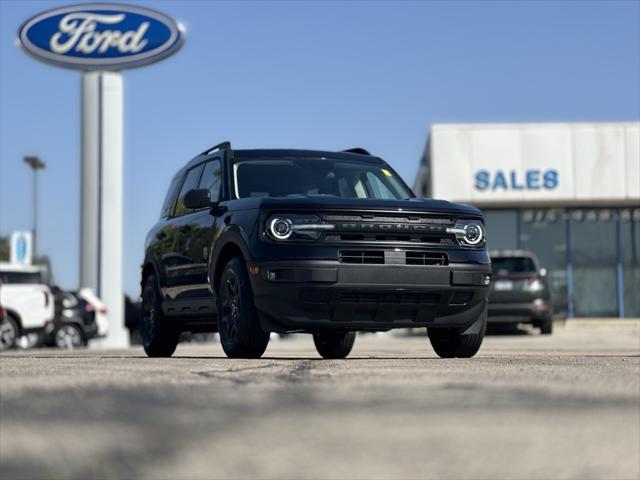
101 40
101 196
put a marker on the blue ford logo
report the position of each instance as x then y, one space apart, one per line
100 36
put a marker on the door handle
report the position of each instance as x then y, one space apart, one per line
160 235
185 228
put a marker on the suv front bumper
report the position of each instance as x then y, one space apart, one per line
315 295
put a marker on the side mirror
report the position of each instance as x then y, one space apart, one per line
198 198
543 272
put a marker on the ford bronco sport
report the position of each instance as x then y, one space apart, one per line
329 243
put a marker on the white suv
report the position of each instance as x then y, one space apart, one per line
27 302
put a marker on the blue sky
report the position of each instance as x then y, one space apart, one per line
325 75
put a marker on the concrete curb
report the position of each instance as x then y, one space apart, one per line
591 323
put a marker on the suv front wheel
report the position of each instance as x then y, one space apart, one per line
333 345
240 332
454 343
159 339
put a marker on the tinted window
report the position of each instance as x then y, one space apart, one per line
8 278
211 179
506 265
170 199
282 177
190 182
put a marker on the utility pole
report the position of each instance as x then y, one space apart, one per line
36 164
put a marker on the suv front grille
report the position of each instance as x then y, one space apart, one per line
362 256
395 257
389 228
426 258
390 298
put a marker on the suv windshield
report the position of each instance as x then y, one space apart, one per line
506 265
283 177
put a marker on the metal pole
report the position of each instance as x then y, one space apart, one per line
619 271
35 214
36 164
101 193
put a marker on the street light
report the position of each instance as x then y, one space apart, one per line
36 164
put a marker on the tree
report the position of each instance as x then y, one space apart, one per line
5 253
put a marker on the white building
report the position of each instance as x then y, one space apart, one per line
568 192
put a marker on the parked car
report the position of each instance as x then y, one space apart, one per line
328 243
80 316
520 291
27 302
132 311
100 311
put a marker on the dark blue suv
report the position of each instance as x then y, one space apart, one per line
329 243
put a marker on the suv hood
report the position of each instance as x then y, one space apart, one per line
327 202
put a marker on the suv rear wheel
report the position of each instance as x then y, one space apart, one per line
159 339
334 344
453 343
240 333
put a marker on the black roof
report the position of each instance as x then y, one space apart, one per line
292 153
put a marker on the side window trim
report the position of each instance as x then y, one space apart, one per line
224 186
220 168
171 197
184 179
172 212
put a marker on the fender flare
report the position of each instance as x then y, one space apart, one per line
149 261
231 236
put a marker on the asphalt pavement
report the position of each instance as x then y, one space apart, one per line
527 407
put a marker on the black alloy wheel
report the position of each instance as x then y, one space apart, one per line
240 333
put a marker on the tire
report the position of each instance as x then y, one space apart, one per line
451 343
159 339
69 336
546 326
9 332
240 333
333 345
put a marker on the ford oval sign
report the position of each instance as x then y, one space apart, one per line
100 36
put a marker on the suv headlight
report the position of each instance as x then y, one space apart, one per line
295 226
469 233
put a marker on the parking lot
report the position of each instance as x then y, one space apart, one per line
528 406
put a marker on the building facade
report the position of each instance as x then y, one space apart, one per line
568 192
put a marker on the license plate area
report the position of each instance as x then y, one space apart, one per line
503 285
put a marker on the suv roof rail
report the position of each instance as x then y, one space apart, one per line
358 150
220 146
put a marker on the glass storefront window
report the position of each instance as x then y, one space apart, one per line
630 259
593 251
604 252
502 229
543 231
